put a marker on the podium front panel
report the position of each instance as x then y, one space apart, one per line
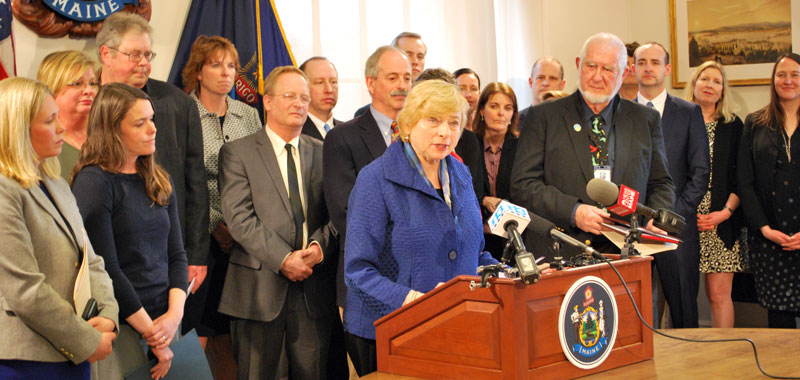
509 330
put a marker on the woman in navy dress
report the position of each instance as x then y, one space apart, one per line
130 211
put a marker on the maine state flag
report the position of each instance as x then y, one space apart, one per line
254 28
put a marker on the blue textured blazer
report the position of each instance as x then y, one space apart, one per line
401 236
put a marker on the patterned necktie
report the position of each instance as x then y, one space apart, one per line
395 131
327 128
598 143
294 198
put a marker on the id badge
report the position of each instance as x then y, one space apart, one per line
603 172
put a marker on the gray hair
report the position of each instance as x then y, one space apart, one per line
371 68
115 26
622 55
622 51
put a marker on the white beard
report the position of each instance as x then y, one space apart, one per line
595 98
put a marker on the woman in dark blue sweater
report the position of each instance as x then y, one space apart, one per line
130 212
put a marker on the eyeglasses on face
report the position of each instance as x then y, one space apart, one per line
291 96
137 55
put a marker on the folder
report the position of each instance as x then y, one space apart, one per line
189 362
82 292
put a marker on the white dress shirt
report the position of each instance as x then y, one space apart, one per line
321 124
658 102
279 146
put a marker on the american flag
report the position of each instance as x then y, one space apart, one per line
8 67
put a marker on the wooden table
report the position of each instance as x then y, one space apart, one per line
778 351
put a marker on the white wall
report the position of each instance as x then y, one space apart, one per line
499 39
167 19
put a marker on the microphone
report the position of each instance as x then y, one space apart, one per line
542 226
506 221
624 201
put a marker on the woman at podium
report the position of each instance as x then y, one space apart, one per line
413 218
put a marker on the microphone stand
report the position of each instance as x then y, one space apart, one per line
633 236
558 262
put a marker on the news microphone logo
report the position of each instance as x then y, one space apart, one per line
504 213
627 201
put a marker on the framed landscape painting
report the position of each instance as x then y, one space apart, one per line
746 36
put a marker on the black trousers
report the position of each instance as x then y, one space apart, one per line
362 353
778 319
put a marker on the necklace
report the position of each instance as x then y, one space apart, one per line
787 144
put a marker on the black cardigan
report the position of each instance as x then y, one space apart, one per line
723 177
758 154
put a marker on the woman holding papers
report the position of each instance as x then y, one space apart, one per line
44 249
769 186
496 127
413 219
130 212
719 223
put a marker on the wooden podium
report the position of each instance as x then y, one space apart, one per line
509 330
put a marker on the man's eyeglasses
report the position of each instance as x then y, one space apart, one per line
137 55
291 96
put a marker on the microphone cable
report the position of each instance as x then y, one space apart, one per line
639 314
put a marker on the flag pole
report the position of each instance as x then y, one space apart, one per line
260 71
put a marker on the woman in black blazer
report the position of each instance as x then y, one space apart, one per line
769 186
718 220
497 131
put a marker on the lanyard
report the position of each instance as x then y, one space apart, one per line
444 177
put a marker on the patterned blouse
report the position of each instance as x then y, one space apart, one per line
241 120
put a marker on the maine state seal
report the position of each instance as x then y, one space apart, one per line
588 322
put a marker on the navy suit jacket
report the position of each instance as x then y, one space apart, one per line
347 149
686 143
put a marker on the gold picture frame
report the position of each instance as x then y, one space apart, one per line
741 39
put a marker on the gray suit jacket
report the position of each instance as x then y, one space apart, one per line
39 261
256 206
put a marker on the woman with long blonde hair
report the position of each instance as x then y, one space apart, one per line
45 332
718 221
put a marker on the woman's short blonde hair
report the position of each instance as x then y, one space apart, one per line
431 98
20 101
725 106
63 67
